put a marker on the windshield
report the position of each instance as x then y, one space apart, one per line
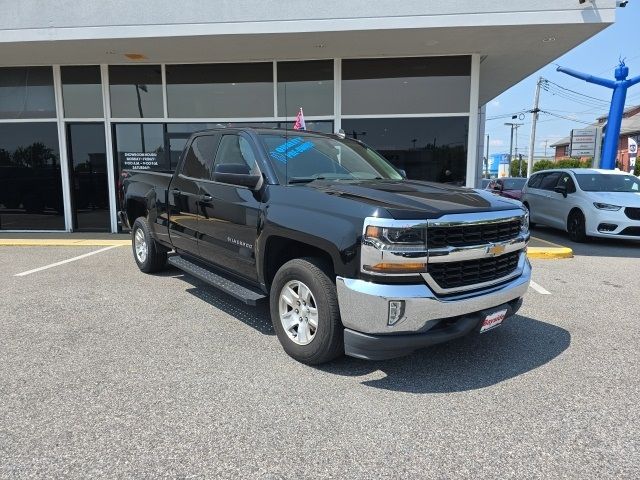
604 182
514 183
302 158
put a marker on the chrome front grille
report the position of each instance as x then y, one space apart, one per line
452 275
469 252
473 234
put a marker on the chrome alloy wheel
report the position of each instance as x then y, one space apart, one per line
298 312
140 246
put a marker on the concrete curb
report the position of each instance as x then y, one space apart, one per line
549 253
60 242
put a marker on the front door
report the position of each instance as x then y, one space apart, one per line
230 214
88 177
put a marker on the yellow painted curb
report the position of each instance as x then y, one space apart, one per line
548 253
60 242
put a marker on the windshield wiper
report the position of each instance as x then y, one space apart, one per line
305 179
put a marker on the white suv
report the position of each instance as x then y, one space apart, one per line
585 202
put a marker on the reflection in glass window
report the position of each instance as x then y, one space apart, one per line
307 85
220 90
406 85
30 180
425 148
136 91
27 92
140 146
82 91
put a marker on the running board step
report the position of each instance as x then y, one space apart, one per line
248 295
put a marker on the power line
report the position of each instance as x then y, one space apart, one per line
565 118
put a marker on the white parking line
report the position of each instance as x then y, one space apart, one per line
541 290
79 257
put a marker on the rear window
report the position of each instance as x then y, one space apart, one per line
514 183
534 181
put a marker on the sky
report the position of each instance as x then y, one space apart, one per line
598 56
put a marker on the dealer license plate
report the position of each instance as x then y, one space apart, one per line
493 320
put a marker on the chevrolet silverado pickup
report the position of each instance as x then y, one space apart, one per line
353 258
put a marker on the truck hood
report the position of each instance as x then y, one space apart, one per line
412 199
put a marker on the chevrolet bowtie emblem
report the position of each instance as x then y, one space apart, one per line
496 250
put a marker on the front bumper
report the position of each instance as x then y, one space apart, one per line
622 222
364 310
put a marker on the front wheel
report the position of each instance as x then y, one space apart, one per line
305 313
149 256
576 227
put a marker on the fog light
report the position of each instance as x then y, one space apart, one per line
396 311
607 227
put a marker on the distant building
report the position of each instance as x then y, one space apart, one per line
630 129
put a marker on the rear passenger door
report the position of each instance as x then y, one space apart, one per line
547 198
230 213
534 196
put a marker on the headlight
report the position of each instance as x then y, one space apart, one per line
393 247
606 206
385 236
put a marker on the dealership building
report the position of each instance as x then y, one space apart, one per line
90 88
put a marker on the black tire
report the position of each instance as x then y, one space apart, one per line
328 341
576 227
531 224
156 257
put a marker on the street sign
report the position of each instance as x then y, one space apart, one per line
583 142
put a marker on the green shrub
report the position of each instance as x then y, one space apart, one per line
564 163
514 168
543 165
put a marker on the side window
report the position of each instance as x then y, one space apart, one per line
199 157
549 181
567 181
534 181
235 155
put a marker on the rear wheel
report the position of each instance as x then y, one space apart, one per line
305 313
576 227
531 224
149 256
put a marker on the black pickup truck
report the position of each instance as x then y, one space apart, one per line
355 259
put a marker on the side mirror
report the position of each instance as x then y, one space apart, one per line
561 189
236 174
402 173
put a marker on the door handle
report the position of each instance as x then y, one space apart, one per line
206 198
176 191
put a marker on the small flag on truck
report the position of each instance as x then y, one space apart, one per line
300 125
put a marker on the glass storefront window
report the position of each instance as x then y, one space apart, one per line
82 91
140 146
222 90
406 85
30 179
136 91
27 92
307 85
425 148
88 173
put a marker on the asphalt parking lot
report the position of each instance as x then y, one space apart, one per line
108 372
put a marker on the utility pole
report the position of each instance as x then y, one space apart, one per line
486 162
534 121
514 126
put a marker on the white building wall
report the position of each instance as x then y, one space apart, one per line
26 20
